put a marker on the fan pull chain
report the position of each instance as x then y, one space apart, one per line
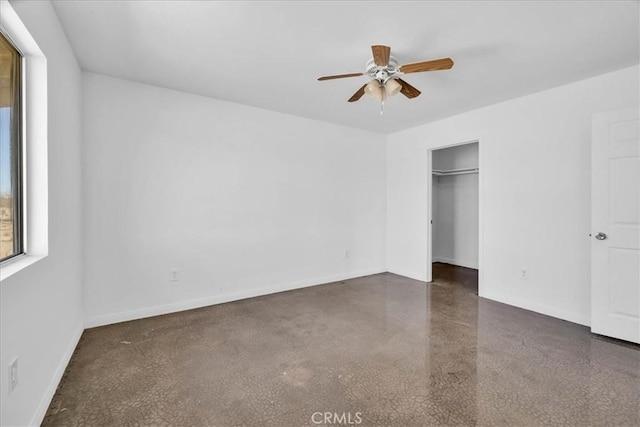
383 95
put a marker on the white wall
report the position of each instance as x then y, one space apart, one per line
242 201
41 306
535 202
455 207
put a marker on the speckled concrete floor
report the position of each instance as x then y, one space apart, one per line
379 350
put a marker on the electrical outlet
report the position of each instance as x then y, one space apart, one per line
347 253
175 275
524 274
13 375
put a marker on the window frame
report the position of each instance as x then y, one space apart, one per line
35 129
17 163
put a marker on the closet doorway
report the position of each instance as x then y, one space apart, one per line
455 211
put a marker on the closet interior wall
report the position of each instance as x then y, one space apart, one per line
455 206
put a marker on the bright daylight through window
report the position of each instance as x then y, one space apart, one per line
10 151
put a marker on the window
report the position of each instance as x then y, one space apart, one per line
24 183
11 219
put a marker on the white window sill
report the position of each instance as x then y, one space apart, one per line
13 265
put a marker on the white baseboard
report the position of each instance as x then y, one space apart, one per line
578 318
408 276
141 313
455 262
41 411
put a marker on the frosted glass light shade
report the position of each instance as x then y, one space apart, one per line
375 89
392 87
380 91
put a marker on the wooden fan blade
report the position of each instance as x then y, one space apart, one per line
433 65
340 76
358 94
408 90
381 55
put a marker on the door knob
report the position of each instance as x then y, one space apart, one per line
601 236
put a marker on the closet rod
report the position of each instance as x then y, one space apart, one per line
456 171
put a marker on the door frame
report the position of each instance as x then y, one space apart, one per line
429 192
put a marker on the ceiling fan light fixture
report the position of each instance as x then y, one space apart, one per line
382 91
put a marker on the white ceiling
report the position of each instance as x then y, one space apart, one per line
269 54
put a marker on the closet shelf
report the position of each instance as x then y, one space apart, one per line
455 171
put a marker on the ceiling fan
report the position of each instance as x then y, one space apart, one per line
384 72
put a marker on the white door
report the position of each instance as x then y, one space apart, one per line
615 221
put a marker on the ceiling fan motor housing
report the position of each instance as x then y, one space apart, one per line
382 74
